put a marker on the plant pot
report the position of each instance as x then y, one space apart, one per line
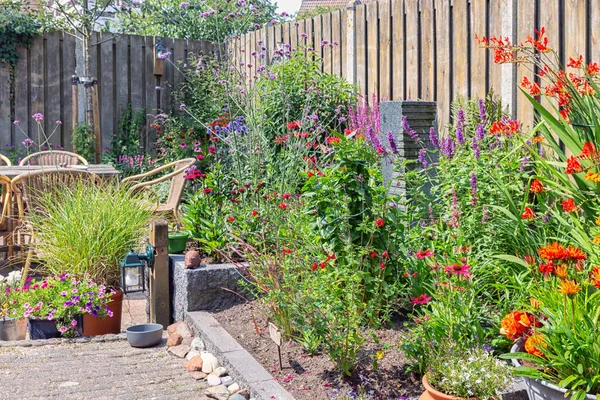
177 242
541 390
94 326
45 329
432 394
13 329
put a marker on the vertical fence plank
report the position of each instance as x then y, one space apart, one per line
525 27
167 81
179 55
478 55
398 43
495 23
36 90
68 70
373 49
345 31
442 12
385 51
318 37
549 18
150 91
361 49
107 93
336 50
122 75
574 25
137 61
460 55
327 50
413 69
5 122
427 51
22 105
53 89
594 34
294 28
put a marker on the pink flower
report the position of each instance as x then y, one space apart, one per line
212 149
59 122
63 329
458 269
38 117
73 323
421 254
16 122
420 299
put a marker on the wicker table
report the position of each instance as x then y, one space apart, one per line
102 170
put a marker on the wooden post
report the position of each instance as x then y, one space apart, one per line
351 41
74 109
160 298
96 117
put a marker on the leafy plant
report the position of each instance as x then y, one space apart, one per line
83 141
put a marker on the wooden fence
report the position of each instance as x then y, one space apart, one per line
123 65
426 49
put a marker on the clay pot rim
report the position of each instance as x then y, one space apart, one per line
440 394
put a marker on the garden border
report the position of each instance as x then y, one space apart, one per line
240 364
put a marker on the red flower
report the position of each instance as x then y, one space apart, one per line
575 62
573 166
458 269
293 125
587 150
382 265
207 190
285 251
254 213
420 299
541 44
199 157
310 174
348 132
282 206
546 269
568 205
231 219
593 68
212 149
286 196
314 267
421 254
282 139
373 254
380 222
536 186
506 127
385 254
333 140
528 214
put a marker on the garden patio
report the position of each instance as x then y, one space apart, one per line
397 199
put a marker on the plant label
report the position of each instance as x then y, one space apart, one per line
275 333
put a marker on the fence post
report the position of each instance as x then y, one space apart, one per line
508 89
351 40
160 299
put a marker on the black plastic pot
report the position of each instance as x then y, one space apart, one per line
44 329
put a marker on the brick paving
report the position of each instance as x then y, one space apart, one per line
94 370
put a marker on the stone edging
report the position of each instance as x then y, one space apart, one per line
240 364
49 342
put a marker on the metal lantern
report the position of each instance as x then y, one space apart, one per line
133 267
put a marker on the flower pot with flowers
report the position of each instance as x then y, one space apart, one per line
557 341
55 306
11 327
460 372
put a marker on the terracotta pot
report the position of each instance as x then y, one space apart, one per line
13 329
93 326
432 394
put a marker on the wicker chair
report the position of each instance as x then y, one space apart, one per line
6 226
53 157
5 160
177 177
26 187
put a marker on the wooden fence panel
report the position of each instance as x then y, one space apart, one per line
137 61
575 23
52 89
442 12
398 43
122 73
318 37
413 68
21 101
525 27
549 19
479 76
36 89
460 55
328 49
495 74
343 44
385 51
427 89
5 115
336 38
373 49
361 49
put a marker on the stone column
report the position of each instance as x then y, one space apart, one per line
421 116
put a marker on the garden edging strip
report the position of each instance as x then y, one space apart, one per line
240 364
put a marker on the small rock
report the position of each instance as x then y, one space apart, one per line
210 362
217 392
236 396
68 384
193 353
173 327
245 393
198 345
197 375
179 351
195 364
213 380
187 341
233 388
174 339
185 331
220 371
226 380
192 259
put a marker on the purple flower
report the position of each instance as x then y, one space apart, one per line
164 55
304 35
524 162
480 131
485 216
482 112
473 189
38 117
392 142
423 158
433 137
27 143
475 147
447 147
183 145
158 88
184 4
410 132
73 323
182 106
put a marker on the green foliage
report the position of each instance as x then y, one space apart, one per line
89 229
83 141
130 131
17 28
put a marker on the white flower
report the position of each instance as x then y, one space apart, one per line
2 278
13 277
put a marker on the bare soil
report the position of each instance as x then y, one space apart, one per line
316 377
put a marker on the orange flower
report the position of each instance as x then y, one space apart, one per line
513 326
568 205
528 214
538 139
593 68
541 44
596 277
561 272
533 87
536 186
570 288
506 127
533 344
587 150
575 253
553 251
575 62
573 165
535 303
592 176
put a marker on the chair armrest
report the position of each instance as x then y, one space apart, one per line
158 180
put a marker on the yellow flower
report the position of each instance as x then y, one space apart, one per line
570 288
533 344
379 354
535 303
561 272
598 221
592 176
596 239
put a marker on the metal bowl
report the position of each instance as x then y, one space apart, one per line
144 335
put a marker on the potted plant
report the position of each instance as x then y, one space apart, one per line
55 306
557 346
12 327
177 241
88 229
458 372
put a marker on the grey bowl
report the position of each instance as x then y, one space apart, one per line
144 335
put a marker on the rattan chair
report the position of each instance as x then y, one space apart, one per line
177 177
53 157
6 227
5 160
26 187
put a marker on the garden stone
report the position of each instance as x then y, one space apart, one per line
179 351
195 364
213 380
220 371
187 341
226 380
236 396
193 353
244 392
198 375
181 328
233 388
210 362
217 392
198 345
192 259
174 339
